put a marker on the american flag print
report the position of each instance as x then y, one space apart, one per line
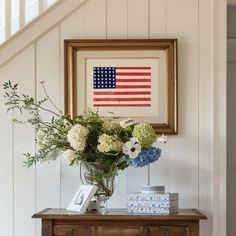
122 86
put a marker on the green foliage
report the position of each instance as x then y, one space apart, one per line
101 139
88 138
54 131
51 136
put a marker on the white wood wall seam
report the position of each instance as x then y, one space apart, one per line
219 135
35 148
166 18
167 36
116 22
13 176
127 36
106 17
73 27
60 105
48 176
137 28
205 112
149 15
127 19
198 108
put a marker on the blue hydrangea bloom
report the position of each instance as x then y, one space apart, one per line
146 156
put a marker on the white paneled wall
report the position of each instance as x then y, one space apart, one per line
18 182
186 164
205 112
48 176
177 16
23 179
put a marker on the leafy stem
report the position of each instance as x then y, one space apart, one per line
47 96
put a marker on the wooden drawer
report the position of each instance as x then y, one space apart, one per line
72 230
120 231
167 231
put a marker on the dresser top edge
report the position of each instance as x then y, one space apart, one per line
117 214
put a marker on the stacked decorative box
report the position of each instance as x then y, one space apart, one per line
152 203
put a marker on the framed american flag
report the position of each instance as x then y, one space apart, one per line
124 78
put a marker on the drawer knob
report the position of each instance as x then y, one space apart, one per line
73 231
120 232
167 232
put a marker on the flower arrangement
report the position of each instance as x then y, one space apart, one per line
87 138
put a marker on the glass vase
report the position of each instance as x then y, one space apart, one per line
103 177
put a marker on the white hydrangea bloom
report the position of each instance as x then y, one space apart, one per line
77 136
69 155
110 124
108 143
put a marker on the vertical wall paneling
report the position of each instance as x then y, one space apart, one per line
158 29
6 158
24 178
117 19
72 27
182 23
88 22
157 17
138 19
161 169
95 19
186 164
219 114
48 175
117 28
205 112
138 27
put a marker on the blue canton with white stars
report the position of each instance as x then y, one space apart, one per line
104 77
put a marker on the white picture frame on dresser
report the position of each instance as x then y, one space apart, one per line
82 198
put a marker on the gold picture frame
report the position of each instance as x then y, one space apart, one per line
79 52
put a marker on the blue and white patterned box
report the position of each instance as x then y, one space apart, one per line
153 196
152 203
152 210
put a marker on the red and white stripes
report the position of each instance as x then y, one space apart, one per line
133 89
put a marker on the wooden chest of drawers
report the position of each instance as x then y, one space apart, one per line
60 222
